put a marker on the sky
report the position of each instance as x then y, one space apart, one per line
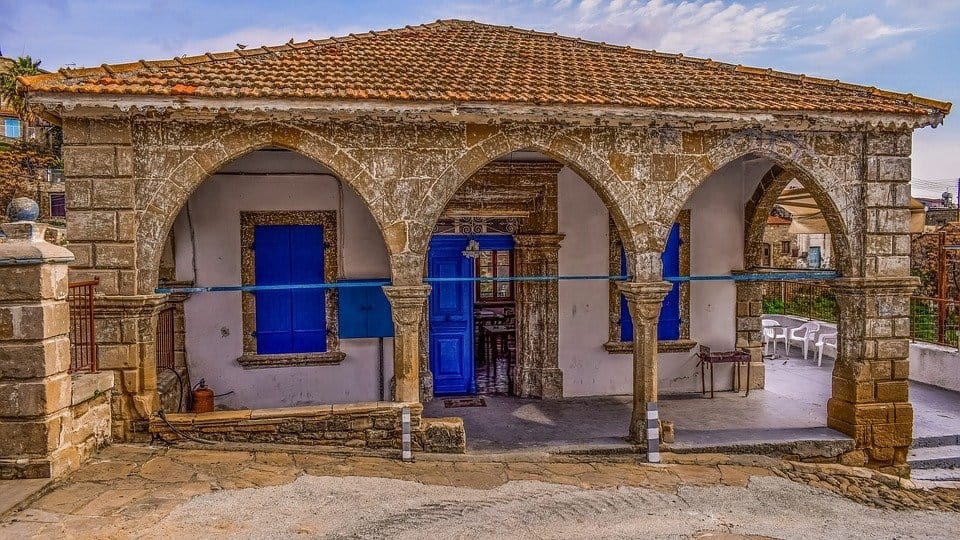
902 45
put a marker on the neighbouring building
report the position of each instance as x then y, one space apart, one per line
401 164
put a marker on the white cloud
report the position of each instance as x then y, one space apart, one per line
867 40
700 27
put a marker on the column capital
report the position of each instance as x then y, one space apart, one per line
876 285
538 241
644 297
406 295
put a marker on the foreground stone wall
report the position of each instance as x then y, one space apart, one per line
368 426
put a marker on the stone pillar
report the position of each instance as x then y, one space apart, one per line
538 372
870 394
749 329
126 329
407 303
643 301
35 386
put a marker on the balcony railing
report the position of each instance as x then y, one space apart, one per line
806 299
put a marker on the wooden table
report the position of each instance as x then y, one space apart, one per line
724 357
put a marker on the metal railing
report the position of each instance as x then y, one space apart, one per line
165 338
83 336
934 320
810 300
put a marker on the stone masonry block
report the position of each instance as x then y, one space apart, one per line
35 397
118 356
31 437
89 161
83 255
892 391
78 193
112 193
34 322
91 225
115 255
36 359
24 283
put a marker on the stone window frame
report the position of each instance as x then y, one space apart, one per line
248 223
617 346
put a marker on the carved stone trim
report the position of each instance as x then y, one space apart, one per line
260 361
663 346
248 222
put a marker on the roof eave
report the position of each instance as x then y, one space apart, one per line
75 104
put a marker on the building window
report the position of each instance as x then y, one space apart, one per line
494 264
673 327
11 128
785 247
58 205
289 327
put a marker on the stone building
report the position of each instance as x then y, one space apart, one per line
456 149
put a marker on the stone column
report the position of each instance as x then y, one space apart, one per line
643 301
749 329
35 386
407 303
870 394
538 372
126 329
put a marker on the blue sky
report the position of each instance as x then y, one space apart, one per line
904 45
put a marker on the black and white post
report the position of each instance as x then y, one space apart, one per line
653 433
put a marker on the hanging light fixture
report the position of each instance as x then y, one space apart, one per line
473 250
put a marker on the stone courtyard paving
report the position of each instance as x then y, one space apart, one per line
151 492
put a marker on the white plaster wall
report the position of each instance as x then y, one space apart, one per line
716 239
936 365
214 321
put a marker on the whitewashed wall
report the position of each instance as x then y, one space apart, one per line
213 320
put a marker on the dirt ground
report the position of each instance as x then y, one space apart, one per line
133 491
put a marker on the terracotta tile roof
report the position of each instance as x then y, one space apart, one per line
777 220
462 61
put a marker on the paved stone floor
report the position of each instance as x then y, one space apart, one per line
147 492
792 406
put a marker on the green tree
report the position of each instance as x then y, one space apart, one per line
9 95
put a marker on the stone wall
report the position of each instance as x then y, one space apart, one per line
369 426
90 412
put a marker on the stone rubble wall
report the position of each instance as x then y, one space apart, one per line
90 411
367 426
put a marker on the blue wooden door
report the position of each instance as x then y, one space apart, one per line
668 326
290 321
451 317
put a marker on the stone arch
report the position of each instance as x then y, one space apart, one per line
617 195
792 158
158 210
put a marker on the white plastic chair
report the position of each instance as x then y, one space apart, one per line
772 331
803 334
823 341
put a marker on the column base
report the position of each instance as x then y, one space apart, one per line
883 431
540 383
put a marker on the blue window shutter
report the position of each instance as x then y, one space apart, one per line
668 326
295 320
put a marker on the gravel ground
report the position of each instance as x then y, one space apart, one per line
360 507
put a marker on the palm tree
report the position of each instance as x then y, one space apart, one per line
9 96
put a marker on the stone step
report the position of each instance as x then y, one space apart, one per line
937 457
936 440
936 475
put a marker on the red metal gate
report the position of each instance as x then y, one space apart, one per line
165 341
83 339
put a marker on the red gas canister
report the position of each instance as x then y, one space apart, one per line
202 398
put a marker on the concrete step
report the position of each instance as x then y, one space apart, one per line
936 475
937 457
936 440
